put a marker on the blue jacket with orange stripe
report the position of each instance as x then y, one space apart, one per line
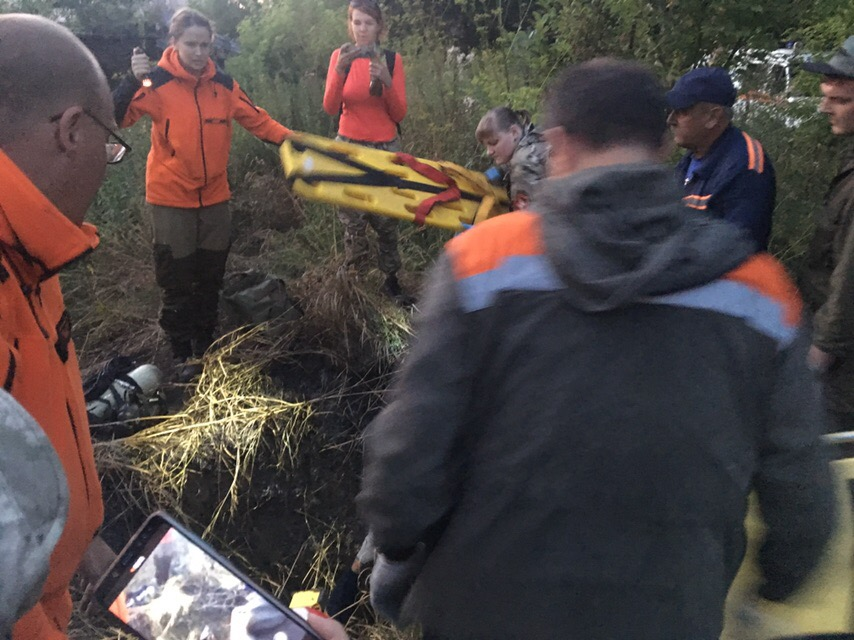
593 391
734 181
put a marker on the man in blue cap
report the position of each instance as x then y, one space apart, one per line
726 173
827 280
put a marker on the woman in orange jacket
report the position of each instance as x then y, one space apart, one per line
191 104
366 86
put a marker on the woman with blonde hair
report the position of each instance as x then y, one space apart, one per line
518 150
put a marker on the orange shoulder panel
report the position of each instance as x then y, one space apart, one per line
486 245
755 154
766 275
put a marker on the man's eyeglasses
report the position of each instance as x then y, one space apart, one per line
116 148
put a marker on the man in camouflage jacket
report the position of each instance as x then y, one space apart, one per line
526 168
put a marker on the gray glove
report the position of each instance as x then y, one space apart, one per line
391 582
367 552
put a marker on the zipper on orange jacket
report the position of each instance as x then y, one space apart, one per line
201 138
79 452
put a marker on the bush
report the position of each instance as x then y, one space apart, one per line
805 158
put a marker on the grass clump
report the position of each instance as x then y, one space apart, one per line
234 411
347 316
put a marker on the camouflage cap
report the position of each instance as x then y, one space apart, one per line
841 65
33 508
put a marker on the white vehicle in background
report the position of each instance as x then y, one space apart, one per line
765 81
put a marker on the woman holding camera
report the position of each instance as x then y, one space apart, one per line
366 86
192 105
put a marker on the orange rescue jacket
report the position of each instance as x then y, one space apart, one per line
191 130
38 366
364 117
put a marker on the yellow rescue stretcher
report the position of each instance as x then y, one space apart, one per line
441 194
824 605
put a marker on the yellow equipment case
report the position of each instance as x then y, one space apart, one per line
441 194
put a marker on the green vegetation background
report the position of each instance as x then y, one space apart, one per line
463 57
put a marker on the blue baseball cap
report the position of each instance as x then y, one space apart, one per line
706 84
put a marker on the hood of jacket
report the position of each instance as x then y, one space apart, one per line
172 63
620 233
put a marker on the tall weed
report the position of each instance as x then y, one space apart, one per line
805 158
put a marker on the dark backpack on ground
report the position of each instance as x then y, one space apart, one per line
97 383
252 297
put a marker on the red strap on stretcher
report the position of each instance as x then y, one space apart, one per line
450 194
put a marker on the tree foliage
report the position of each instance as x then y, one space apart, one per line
827 24
464 56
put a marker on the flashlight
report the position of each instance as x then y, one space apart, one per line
146 80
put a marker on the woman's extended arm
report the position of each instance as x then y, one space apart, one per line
131 100
257 121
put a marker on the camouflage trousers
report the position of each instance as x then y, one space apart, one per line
190 251
355 223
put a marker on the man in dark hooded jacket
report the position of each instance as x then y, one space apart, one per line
595 388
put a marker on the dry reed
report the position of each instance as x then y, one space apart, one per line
233 410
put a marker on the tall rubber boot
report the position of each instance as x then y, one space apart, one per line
209 274
175 278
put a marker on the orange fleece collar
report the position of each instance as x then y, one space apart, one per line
34 228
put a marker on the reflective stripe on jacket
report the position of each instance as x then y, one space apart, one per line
735 182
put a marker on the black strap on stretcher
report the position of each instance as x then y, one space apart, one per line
370 177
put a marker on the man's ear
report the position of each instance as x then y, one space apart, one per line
68 129
714 116
563 150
